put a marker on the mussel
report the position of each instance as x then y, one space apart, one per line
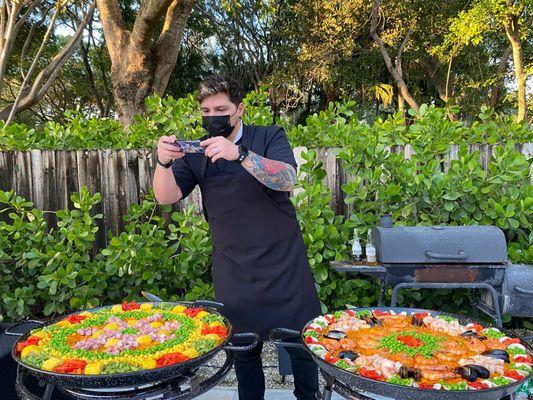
335 335
417 321
348 354
497 353
473 334
408 372
472 372
372 321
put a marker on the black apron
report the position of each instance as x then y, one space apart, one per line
260 269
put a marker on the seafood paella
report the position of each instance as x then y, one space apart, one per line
124 338
418 349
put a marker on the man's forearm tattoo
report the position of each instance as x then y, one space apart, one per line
274 174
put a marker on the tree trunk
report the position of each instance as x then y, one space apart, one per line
132 75
498 85
511 29
141 66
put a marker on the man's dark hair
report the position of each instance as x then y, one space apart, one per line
221 84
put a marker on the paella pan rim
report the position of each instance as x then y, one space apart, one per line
144 376
408 392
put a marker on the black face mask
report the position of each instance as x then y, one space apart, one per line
218 125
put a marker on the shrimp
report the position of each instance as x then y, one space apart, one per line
445 356
420 360
348 344
476 345
452 347
368 344
331 345
396 321
438 375
494 344
345 324
437 372
453 328
383 365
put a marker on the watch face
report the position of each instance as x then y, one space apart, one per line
243 152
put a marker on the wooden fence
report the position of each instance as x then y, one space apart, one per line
124 177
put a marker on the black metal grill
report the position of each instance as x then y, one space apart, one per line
450 257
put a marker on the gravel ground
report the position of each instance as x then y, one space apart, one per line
273 379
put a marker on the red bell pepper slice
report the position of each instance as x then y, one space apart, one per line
410 341
193 311
76 318
31 340
513 375
217 330
425 386
370 373
169 359
130 306
71 366
523 359
331 359
509 341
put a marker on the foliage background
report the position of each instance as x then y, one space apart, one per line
46 270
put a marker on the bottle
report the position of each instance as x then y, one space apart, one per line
370 250
357 250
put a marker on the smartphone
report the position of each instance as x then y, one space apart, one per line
188 146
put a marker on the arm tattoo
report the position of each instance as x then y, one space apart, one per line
274 174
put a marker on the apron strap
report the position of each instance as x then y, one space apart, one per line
202 174
245 141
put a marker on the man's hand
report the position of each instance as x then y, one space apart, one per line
220 147
167 152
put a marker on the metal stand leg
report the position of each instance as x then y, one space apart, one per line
407 285
48 392
475 310
328 389
382 290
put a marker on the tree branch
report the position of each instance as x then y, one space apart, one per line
25 16
48 75
112 23
148 17
397 77
8 42
167 45
498 84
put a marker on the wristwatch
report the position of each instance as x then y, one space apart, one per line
167 165
243 153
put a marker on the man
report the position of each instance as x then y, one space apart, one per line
260 268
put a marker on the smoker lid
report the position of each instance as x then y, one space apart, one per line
440 245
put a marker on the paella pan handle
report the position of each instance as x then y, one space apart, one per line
253 336
523 291
151 297
209 303
9 331
461 255
277 335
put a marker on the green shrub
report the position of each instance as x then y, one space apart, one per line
45 271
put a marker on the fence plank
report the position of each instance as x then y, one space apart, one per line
7 173
48 178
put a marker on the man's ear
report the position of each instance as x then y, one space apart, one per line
240 108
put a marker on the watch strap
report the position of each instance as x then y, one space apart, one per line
167 165
243 153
